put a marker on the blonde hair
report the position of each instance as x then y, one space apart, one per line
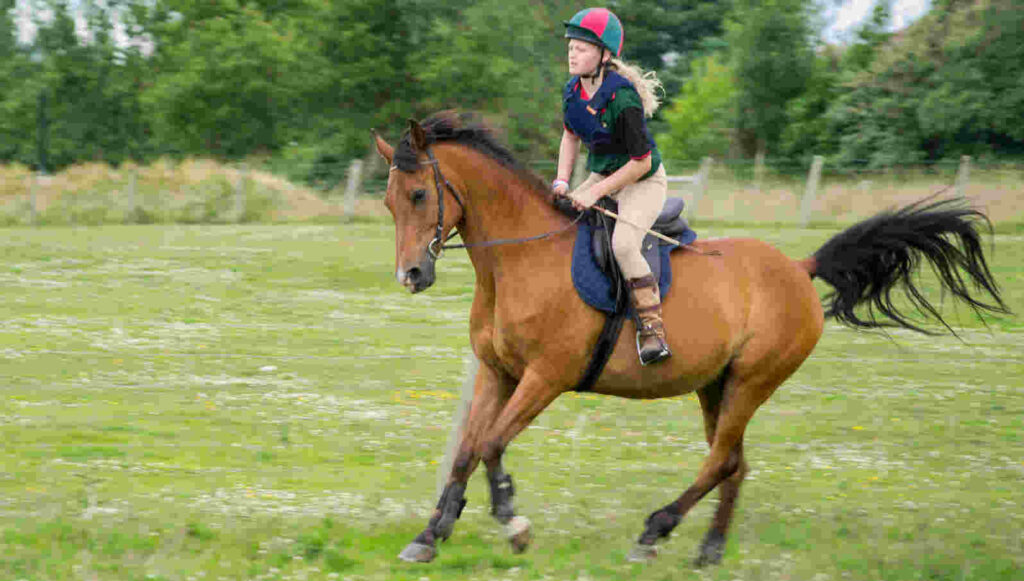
646 83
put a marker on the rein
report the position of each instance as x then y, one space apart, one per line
438 245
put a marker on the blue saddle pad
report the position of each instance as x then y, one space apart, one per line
594 286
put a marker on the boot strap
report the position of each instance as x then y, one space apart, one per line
642 282
651 309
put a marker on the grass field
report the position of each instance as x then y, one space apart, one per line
265 402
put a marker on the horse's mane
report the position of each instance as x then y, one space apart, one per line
466 129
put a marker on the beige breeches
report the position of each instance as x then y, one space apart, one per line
639 203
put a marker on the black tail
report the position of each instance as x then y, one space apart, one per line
867 261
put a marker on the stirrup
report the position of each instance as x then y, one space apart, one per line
652 356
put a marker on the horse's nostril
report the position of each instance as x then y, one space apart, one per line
414 274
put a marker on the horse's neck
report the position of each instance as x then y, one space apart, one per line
501 205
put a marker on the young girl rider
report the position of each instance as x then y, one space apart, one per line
604 105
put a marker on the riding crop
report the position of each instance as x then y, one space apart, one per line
658 235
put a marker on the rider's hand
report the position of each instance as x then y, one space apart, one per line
583 199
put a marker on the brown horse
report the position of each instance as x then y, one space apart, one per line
752 314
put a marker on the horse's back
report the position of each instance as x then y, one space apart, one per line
751 282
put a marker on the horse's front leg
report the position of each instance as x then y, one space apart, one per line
517 528
491 391
531 396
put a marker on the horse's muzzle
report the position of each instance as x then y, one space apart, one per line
419 277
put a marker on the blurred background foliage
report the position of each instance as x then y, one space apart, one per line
296 85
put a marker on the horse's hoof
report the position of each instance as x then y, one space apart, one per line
642 553
707 558
518 530
418 553
711 549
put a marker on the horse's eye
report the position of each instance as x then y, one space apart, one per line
418 196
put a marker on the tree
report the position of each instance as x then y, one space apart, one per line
974 97
806 133
656 28
12 62
230 80
703 114
83 85
770 43
869 37
508 64
951 84
667 35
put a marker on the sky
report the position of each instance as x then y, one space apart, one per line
851 13
843 16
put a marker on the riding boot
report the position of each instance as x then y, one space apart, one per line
650 335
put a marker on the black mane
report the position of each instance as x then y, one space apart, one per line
464 129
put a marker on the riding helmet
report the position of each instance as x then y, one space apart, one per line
598 26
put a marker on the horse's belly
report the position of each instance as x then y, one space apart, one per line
693 365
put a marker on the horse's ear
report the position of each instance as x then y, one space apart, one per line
385 150
418 135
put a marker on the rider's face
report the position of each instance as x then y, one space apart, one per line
583 57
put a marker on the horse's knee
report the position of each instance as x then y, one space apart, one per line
462 465
492 451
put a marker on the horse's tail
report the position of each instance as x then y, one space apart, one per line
868 260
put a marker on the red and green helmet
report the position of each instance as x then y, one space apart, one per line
597 26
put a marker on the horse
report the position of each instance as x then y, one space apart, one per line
751 313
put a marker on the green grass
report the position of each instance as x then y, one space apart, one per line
265 402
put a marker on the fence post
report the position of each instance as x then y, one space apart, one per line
700 184
243 176
458 423
33 185
355 180
759 169
963 175
812 190
132 178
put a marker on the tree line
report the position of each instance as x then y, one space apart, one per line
297 84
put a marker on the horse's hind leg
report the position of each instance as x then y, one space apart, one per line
490 395
739 402
712 547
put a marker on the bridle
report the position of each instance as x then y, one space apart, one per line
438 245
439 238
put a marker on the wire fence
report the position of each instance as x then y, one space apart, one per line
206 192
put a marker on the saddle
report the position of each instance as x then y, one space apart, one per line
599 281
670 222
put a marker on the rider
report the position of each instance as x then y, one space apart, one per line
604 105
